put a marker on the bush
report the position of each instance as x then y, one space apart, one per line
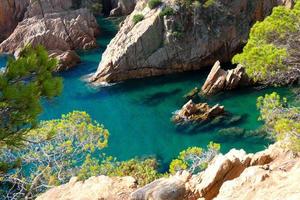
270 54
154 3
137 18
281 120
194 159
144 171
167 11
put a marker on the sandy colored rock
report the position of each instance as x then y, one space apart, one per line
220 80
95 188
279 179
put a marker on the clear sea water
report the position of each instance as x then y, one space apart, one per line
137 112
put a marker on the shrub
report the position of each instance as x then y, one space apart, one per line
144 171
281 120
167 11
137 18
194 159
270 54
154 3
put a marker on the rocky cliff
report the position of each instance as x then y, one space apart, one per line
55 25
267 175
190 37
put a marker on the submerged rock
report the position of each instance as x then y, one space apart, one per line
57 27
220 80
192 94
200 112
185 40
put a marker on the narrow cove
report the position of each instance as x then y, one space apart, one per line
137 113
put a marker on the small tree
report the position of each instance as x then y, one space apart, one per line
194 159
22 85
281 120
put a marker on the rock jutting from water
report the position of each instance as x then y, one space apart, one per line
270 174
200 112
220 80
56 26
181 40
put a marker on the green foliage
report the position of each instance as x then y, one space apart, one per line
282 120
96 8
154 3
144 171
269 51
194 159
137 18
196 3
209 3
167 11
54 153
22 85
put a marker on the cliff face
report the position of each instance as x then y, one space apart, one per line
270 174
189 39
55 25
11 12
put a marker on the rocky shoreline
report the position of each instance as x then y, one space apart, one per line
235 175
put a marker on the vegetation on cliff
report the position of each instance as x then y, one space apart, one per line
281 120
194 159
271 55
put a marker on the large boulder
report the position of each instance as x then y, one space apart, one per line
220 80
184 41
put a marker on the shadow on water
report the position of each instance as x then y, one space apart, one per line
158 97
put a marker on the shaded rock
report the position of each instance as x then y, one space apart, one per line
94 188
66 59
181 42
220 80
172 188
200 112
11 12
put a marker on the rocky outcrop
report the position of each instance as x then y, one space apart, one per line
11 12
95 188
270 174
57 27
201 112
122 7
187 40
267 175
220 80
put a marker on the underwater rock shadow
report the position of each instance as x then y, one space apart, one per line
158 97
218 123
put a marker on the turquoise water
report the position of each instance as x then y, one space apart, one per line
137 112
